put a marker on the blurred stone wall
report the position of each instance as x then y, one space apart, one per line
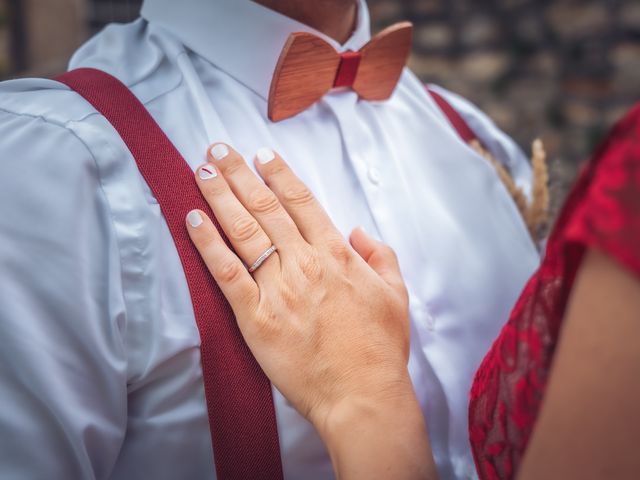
563 70
5 66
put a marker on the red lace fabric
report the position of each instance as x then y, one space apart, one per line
603 212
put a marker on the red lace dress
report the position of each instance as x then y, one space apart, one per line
603 212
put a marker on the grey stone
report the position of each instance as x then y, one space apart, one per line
574 21
630 15
478 31
544 63
484 66
581 114
427 7
626 60
529 28
434 36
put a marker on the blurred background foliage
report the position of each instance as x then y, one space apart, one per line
563 70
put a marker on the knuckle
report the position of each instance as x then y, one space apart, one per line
298 195
267 325
243 229
207 243
391 252
233 164
263 201
275 169
229 271
311 268
339 250
214 189
386 250
404 295
290 297
289 301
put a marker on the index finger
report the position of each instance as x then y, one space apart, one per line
254 195
312 220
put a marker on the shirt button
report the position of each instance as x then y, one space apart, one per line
374 176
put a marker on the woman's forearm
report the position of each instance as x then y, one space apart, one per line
379 438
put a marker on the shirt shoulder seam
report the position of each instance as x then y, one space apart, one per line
129 87
5 109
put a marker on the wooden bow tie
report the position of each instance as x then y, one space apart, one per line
309 67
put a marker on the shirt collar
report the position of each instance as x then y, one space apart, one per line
241 37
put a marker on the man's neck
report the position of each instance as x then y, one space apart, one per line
334 18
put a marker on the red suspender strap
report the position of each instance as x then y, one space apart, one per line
239 401
456 120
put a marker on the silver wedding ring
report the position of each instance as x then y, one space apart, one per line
261 259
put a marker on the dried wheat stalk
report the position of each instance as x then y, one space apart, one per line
535 213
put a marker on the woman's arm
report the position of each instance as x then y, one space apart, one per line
326 320
589 424
379 438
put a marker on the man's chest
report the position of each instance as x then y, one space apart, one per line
403 177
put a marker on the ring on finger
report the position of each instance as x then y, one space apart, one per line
262 258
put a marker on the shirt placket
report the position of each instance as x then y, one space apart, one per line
387 191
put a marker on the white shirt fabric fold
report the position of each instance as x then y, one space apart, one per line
99 351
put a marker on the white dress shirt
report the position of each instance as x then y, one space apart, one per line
99 352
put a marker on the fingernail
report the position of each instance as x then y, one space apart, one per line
265 155
207 171
219 151
194 218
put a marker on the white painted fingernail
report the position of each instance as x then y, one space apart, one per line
219 151
194 218
207 171
265 155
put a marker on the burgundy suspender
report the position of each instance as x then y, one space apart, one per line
456 120
239 400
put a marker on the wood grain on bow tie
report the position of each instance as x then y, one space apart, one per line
308 66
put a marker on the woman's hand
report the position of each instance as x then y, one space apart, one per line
326 320
322 322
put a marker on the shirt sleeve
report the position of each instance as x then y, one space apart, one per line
503 148
63 387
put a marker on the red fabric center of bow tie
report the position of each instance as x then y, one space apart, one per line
347 70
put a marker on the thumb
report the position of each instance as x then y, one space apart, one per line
380 257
